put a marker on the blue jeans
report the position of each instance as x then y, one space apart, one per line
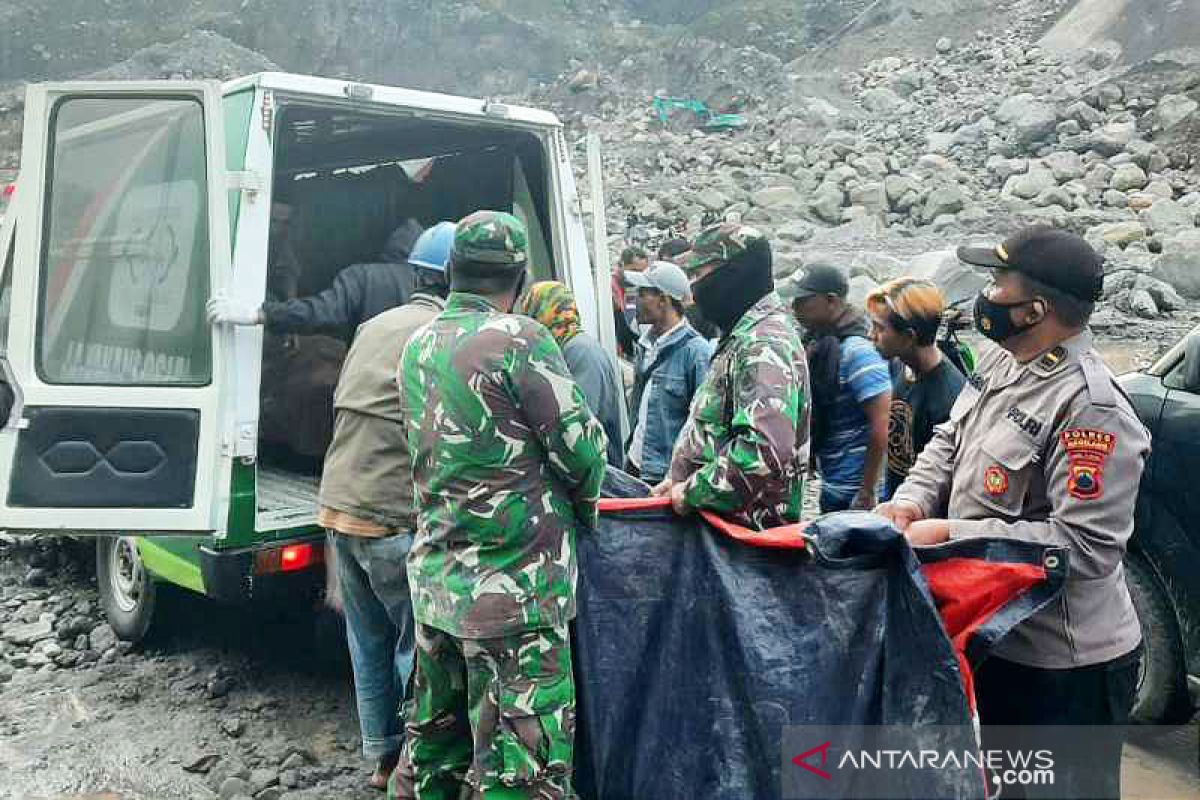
379 632
832 500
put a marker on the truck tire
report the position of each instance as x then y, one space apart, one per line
127 591
1162 694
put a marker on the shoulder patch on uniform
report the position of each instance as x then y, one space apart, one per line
1087 450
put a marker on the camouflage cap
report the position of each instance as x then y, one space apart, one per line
491 237
720 243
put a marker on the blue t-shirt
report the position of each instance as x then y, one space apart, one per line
862 375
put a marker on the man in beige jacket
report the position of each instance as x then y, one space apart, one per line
367 505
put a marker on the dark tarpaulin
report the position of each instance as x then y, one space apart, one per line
694 649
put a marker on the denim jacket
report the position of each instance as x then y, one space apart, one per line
682 362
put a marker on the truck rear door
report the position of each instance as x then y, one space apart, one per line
121 231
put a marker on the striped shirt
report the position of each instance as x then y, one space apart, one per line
862 375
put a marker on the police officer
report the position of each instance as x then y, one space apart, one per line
1043 446
507 466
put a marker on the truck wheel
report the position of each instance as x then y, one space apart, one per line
1162 695
127 592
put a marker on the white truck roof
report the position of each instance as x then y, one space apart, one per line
367 93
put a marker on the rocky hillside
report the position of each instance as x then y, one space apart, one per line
969 137
875 129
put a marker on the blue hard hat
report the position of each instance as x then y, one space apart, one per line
432 249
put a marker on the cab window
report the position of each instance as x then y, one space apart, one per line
125 252
1180 368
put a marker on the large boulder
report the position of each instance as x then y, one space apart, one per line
1114 199
1030 120
959 282
1113 138
1099 176
902 191
1066 166
1005 168
869 196
1031 184
870 166
1147 155
1128 177
1179 264
1055 196
1119 234
795 232
1138 302
1173 109
943 200
778 198
882 100
1084 114
826 205
713 200
1129 290
1167 216
906 82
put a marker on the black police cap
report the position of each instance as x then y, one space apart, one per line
1050 256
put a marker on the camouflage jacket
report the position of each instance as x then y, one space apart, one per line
507 465
744 450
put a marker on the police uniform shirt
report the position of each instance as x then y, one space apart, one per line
1051 452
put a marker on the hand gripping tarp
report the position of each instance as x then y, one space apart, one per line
697 643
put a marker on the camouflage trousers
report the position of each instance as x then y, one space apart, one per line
489 719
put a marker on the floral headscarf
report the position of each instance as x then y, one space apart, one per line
552 304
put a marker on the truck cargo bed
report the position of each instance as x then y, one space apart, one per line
285 499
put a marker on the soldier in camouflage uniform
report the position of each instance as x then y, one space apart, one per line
744 450
507 464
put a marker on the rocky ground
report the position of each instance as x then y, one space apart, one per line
224 704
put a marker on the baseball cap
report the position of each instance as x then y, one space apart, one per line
1056 258
491 237
720 243
668 278
817 278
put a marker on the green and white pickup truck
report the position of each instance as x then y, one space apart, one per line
131 418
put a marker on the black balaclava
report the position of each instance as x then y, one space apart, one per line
728 292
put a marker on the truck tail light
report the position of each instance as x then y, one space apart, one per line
289 558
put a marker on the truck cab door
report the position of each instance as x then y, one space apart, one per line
1176 439
121 231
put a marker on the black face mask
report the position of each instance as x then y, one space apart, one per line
994 321
724 295
519 289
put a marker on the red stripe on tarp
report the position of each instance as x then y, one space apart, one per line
610 505
968 591
788 537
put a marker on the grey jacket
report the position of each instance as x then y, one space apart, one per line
593 370
367 468
1048 452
